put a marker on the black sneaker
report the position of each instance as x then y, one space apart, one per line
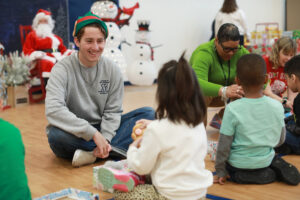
285 171
284 149
259 176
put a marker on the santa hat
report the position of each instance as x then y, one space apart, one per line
40 15
88 18
46 12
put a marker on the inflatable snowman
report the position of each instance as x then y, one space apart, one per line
112 50
107 10
143 70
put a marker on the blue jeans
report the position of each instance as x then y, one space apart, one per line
292 140
64 144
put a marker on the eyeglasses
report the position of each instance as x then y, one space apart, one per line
228 49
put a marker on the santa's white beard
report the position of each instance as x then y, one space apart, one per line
44 30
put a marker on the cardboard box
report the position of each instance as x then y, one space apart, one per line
17 95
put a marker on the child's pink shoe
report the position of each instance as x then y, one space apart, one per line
112 179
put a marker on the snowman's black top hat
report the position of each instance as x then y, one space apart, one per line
143 25
115 1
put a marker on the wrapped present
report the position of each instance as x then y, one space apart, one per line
70 193
212 149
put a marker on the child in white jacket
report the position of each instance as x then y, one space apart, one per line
173 147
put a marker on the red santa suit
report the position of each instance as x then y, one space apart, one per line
49 49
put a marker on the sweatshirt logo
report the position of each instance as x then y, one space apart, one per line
104 86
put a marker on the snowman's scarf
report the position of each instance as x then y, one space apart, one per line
146 43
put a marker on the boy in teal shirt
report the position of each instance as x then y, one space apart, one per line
252 126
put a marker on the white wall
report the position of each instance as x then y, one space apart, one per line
183 25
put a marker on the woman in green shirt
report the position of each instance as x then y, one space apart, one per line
214 63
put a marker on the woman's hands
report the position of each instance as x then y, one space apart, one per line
233 91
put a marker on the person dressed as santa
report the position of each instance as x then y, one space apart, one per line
41 43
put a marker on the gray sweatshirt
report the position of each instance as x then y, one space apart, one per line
78 96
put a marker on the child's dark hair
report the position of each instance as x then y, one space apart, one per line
178 94
228 32
293 66
251 70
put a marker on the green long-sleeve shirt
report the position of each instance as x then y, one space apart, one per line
208 68
13 179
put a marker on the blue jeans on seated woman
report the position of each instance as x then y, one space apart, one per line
64 144
292 141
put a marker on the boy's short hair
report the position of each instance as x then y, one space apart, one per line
293 66
251 70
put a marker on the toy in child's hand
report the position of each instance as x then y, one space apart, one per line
137 131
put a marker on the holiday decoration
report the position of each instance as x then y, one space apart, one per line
143 70
109 11
263 38
112 50
267 35
260 49
14 74
114 35
105 9
16 69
